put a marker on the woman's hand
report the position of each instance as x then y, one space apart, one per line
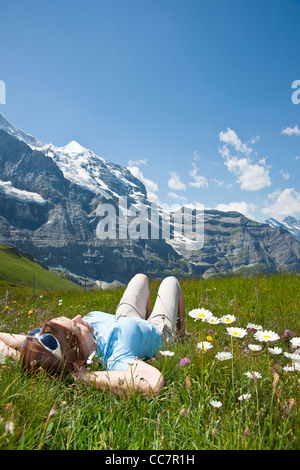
8 351
138 377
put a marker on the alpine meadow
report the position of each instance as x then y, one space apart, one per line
226 386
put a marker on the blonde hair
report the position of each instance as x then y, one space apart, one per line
35 356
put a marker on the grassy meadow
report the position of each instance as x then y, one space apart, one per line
206 404
20 270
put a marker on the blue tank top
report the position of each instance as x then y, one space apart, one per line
120 341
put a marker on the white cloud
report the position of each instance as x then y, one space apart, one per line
291 130
224 151
170 208
247 209
175 183
142 161
176 206
282 203
151 186
251 176
196 156
254 139
218 182
177 196
231 138
199 181
285 175
153 197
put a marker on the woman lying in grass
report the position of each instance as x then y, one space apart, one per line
119 341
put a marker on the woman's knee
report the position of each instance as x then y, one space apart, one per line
141 276
171 281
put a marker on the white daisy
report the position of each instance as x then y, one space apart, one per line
167 353
252 326
200 314
236 332
295 342
275 350
204 345
90 358
213 320
228 319
266 336
253 375
216 404
223 356
246 396
295 357
295 366
254 347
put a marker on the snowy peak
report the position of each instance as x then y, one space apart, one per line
89 171
83 167
74 147
289 223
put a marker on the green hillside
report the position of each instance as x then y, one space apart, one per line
17 269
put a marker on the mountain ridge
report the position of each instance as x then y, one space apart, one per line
289 223
61 227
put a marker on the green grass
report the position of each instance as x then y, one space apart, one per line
41 413
16 269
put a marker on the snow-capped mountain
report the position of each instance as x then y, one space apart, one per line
83 167
91 172
289 223
49 201
49 206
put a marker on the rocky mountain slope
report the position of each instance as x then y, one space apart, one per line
49 206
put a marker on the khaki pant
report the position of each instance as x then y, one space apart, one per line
164 314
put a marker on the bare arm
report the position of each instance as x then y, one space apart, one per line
139 377
12 340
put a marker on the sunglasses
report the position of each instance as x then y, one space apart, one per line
47 340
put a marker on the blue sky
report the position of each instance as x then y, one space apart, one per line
194 96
